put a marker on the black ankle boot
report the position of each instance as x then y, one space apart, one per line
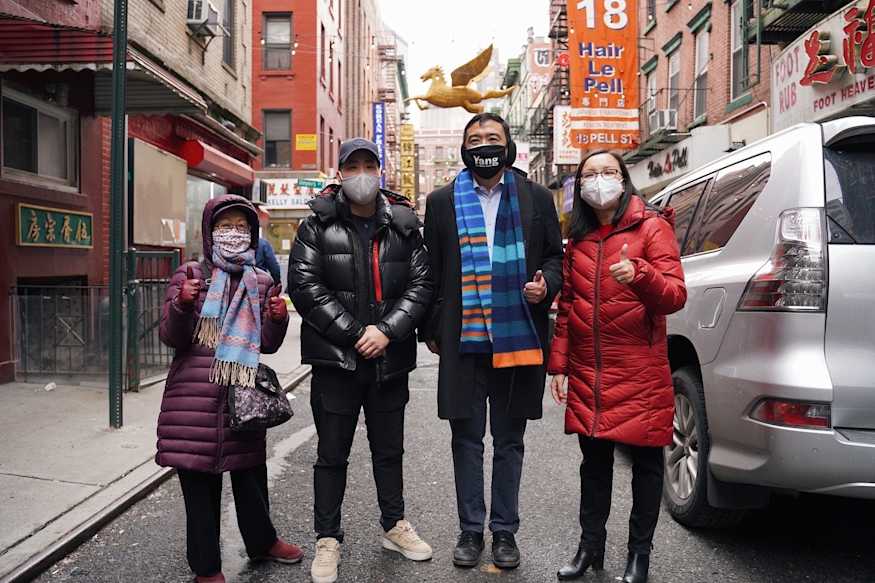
583 560
637 566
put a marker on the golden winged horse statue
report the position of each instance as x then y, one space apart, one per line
460 94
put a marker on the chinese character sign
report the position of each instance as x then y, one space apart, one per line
603 61
408 162
380 136
291 193
49 227
827 70
564 150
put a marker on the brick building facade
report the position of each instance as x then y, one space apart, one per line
189 139
700 66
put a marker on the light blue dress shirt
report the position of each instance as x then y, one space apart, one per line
490 201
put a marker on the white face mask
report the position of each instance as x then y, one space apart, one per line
602 192
231 242
362 188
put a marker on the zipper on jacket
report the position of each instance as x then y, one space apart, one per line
597 337
375 290
353 235
220 444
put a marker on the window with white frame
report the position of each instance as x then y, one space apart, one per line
738 47
700 86
40 140
277 41
674 80
651 92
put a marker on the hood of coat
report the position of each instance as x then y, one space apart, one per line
638 211
222 203
392 209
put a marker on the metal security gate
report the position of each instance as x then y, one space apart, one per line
148 275
62 331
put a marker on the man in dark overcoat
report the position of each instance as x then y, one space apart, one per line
469 379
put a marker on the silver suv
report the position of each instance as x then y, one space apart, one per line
773 356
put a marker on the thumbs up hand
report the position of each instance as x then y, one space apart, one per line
624 271
536 290
191 288
276 306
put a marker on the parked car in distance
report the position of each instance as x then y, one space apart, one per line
773 357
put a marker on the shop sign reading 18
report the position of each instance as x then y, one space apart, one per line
674 160
603 43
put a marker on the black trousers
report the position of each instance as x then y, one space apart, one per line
203 511
596 480
336 421
492 385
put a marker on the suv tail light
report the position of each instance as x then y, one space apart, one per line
793 414
794 279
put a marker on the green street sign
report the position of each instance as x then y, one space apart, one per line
308 183
39 226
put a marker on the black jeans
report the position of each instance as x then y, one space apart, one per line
596 480
336 422
203 511
492 385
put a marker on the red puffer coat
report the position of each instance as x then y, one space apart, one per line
610 338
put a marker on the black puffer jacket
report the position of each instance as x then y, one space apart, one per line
339 288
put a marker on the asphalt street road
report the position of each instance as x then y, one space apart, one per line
805 539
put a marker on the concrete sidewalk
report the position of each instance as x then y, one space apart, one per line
64 473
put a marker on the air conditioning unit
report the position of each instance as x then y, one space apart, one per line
663 120
203 18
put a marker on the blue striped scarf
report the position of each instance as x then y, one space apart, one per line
495 314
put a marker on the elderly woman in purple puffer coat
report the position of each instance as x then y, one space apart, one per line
220 316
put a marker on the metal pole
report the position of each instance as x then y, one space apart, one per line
117 207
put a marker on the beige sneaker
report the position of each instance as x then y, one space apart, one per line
403 539
324 567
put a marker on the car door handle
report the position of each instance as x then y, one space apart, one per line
715 297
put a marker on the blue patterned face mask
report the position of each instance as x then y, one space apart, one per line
229 242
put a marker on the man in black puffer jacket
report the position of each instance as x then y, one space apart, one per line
359 277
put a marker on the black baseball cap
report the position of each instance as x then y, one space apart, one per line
353 145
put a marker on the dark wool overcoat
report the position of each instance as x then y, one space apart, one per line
543 245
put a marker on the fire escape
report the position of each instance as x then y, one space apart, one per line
782 21
556 93
387 92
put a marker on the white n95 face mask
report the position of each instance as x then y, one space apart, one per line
361 189
602 192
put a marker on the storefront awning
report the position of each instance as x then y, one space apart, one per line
210 161
27 45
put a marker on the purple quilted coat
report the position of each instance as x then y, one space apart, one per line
193 427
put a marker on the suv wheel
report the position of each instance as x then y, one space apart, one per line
686 459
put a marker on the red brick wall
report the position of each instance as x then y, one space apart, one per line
719 66
82 14
299 89
30 262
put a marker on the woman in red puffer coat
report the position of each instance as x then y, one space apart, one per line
622 276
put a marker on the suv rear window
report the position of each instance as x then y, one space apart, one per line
734 193
850 192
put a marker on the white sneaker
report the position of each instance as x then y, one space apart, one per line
324 567
403 539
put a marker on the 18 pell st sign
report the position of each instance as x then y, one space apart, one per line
827 70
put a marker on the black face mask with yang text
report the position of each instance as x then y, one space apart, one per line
485 161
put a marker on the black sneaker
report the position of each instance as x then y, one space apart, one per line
468 549
505 553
